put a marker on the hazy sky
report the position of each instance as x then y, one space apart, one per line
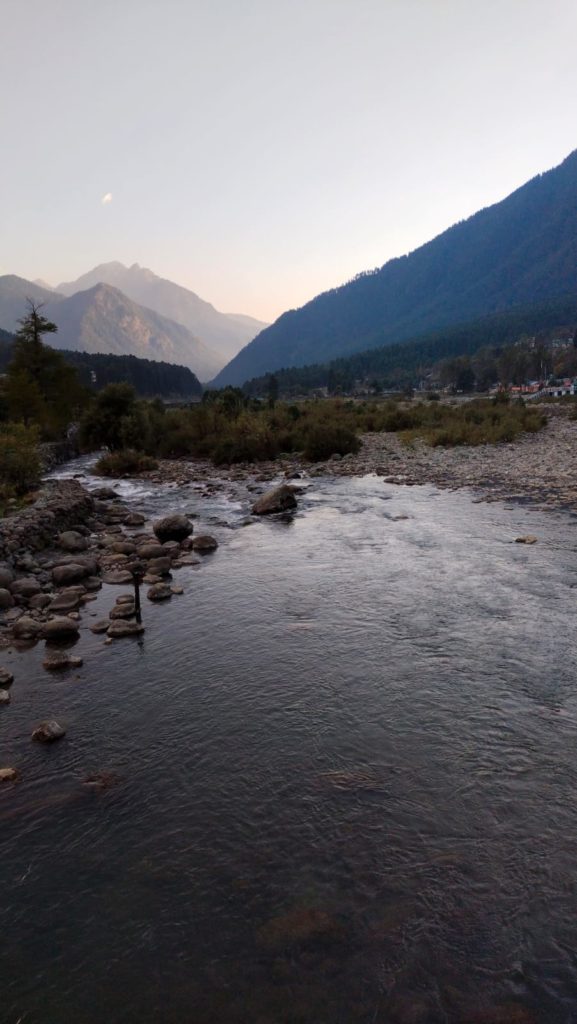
260 151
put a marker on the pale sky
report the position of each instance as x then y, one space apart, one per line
261 151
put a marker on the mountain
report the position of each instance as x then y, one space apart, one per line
13 294
520 251
102 319
405 364
221 333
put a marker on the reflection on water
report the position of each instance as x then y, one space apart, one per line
345 780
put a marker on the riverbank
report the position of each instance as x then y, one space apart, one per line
540 468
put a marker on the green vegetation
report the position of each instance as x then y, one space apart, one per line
19 462
148 377
125 463
228 428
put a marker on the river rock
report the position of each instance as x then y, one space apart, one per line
105 494
6 577
159 566
26 628
8 775
39 601
171 548
92 583
25 588
123 611
57 661
101 626
528 539
134 519
122 547
48 732
6 599
204 544
61 628
121 576
67 600
4 696
151 550
72 541
279 499
175 527
121 628
159 592
6 678
73 572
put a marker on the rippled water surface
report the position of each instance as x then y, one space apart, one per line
348 779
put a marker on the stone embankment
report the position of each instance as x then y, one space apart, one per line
57 553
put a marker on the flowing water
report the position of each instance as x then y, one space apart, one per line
347 778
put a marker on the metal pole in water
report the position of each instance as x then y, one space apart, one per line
137 575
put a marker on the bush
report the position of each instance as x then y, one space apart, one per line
323 441
124 463
19 460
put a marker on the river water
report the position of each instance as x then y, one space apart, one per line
347 764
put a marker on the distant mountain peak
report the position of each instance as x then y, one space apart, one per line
224 335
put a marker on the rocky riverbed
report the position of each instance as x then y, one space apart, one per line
541 468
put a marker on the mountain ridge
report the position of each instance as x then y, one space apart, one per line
522 249
224 333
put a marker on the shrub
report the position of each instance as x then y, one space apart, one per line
323 441
19 460
124 463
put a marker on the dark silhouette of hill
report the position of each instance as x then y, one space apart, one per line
521 251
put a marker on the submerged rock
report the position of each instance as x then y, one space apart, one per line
101 626
8 774
299 926
48 732
175 527
57 661
279 499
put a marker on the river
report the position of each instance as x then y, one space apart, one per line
347 778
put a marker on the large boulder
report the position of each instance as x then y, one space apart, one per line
204 544
48 732
60 628
175 527
279 499
72 541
